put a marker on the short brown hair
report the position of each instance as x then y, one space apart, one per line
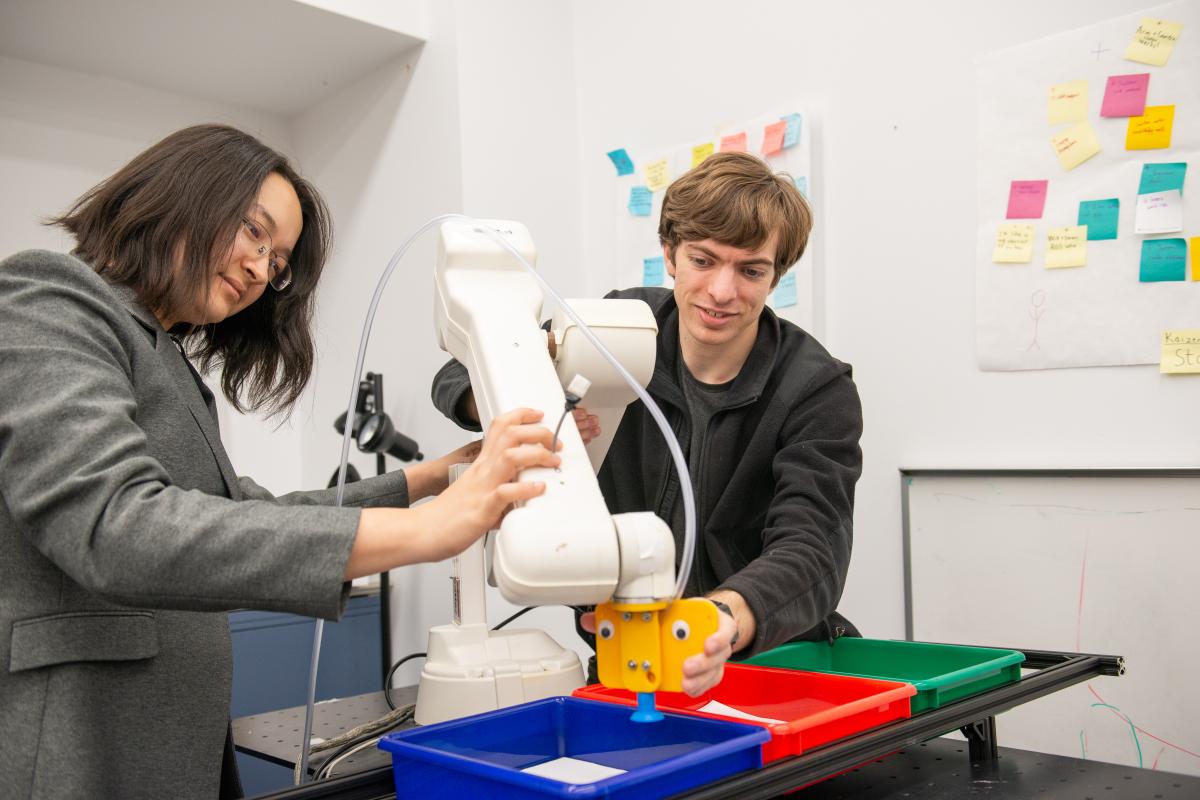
737 200
184 199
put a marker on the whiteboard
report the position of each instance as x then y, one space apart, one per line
1032 317
1101 562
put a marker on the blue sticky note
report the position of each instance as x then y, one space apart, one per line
785 292
802 185
791 136
1164 260
1100 216
640 200
622 161
652 271
1162 177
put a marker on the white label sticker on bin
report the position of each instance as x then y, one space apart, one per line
572 770
714 707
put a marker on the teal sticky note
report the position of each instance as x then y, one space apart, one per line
785 292
1162 177
1163 260
791 136
652 271
1100 216
621 161
802 185
640 200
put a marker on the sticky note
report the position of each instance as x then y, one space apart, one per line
640 201
785 292
1068 102
773 137
1026 199
734 142
1159 212
1153 41
1196 258
621 161
701 152
1125 95
801 182
791 137
1180 352
1163 260
652 271
1066 247
657 175
1100 217
1075 146
1162 177
1152 130
1014 244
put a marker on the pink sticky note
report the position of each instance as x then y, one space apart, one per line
1026 199
1125 95
773 137
734 141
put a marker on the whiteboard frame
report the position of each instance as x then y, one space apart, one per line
906 474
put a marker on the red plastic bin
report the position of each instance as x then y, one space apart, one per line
813 708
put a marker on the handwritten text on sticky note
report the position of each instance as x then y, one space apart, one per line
1180 352
1026 199
701 152
621 161
1125 95
1153 41
1066 247
1162 177
640 201
773 137
1075 146
1068 102
652 271
1100 217
785 292
734 142
1152 130
657 175
1159 212
1163 260
791 137
1014 244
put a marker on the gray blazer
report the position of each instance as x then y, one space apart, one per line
121 524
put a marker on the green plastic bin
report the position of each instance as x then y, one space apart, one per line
942 673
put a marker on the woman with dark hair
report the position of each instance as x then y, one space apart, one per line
121 520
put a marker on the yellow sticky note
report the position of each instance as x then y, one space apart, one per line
1068 102
1066 247
1153 42
1196 258
1180 352
1152 130
1075 146
657 175
701 152
1014 244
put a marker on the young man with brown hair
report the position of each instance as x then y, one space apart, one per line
769 420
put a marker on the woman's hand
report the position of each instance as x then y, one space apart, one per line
432 477
483 494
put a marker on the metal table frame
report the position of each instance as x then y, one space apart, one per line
975 716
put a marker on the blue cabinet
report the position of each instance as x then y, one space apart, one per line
270 669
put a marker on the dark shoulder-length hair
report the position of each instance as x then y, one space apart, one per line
181 202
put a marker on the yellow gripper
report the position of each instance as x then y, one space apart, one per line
641 647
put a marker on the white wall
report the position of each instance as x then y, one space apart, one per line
892 93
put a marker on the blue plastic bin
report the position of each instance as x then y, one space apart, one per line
484 755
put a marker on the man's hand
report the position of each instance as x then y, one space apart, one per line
704 671
588 424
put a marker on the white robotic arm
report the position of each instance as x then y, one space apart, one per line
564 546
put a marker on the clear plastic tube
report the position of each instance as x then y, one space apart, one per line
689 504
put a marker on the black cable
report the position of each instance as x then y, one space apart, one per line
387 681
572 401
525 610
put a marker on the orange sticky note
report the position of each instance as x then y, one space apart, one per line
773 137
1152 130
734 142
1196 258
701 152
1068 102
1153 41
1075 145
